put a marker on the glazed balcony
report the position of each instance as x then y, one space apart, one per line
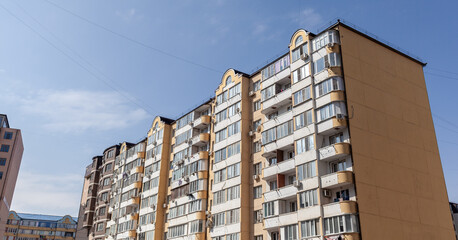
334 151
202 122
331 125
199 155
279 144
339 208
283 167
139 169
280 220
337 179
133 201
280 99
201 139
333 96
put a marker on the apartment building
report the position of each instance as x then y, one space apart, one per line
11 149
332 140
454 211
24 226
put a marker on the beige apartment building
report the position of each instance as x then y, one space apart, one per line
11 149
332 140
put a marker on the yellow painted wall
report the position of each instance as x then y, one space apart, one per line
399 180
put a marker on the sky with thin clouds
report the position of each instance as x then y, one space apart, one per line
79 76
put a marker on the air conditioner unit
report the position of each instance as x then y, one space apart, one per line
327 65
209 223
258 129
185 156
132 214
191 124
327 193
256 177
208 213
186 178
330 45
304 56
251 93
297 183
238 110
340 116
154 143
251 133
164 205
189 141
153 206
180 162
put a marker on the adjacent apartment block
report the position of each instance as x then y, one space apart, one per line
454 210
11 149
23 226
332 140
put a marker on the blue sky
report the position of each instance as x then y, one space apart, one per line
75 88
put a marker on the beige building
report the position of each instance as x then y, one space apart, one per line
332 140
11 149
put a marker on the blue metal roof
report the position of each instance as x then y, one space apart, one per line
30 216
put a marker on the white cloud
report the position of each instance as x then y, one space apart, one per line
128 15
76 111
51 194
307 18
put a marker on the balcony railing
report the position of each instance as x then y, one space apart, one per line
282 167
331 125
339 208
202 121
337 179
280 99
280 193
201 139
334 151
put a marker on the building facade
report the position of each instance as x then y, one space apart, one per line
11 149
454 210
23 226
332 140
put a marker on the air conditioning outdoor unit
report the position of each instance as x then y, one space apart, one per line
304 56
180 162
297 183
340 116
330 45
164 205
153 206
256 177
186 178
251 93
251 133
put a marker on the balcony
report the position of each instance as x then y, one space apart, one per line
138 184
133 201
339 208
141 155
202 122
134 216
334 151
281 193
201 139
337 179
278 120
139 169
280 99
279 77
281 220
333 96
132 233
282 167
331 125
279 144
199 155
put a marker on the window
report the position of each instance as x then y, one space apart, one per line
4 148
285 129
275 67
273 185
301 73
308 198
234 91
108 167
228 80
258 237
2 161
337 138
256 124
232 236
340 224
330 60
218 219
8 135
221 116
233 129
220 155
176 231
102 211
338 166
220 135
291 232
257 192
257 169
269 136
232 216
233 149
106 181
256 146
329 85
99 227
308 228
257 216
272 115
297 52
268 92
233 193
342 195
330 111
302 95
307 170
219 197
323 39
304 144
303 119
221 98
220 175
269 209
233 171
196 226
257 105
233 109
256 86
185 120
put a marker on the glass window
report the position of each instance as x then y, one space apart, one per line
275 67
308 198
309 228
8 135
291 232
4 148
2 161
340 224
303 119
302 95
257 105
256 86
301 73
257 192
304 144
307 170
329 85
268 92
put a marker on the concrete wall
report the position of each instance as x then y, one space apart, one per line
398 173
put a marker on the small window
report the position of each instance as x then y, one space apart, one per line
257 105
299 40
1 175
8 135
228 80
2 161
4 148
256 86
